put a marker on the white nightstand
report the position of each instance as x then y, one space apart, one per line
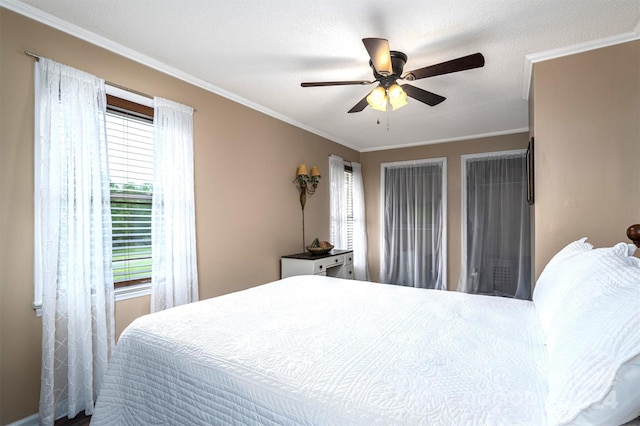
336 263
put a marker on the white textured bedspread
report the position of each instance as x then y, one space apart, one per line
325 351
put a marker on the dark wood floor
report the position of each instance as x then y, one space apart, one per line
79 420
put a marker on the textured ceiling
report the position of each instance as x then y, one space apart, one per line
258 52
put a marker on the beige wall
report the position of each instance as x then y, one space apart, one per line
587 127
587 136
453 151
244 221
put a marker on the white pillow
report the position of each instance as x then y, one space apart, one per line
558 277
621 404
594 345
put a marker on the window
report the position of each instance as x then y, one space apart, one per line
129 128
413 223
496 236
346 208
348 189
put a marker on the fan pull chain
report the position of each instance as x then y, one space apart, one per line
378 121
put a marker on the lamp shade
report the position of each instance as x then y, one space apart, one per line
315 172
397 96
302 170
377 99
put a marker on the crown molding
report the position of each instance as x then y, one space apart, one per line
103 42
95 39
533 58
463 138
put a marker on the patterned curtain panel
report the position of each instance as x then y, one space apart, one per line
72 238
174 278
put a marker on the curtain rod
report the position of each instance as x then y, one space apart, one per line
343 160
37 58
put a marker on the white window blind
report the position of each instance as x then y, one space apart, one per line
130 151
348 183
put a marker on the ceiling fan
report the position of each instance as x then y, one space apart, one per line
388 68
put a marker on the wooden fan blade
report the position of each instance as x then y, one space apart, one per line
378 49
360 105
461 64
335 83
421 95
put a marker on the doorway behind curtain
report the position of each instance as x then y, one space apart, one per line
496 234
414 224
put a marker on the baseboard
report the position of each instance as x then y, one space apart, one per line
32 420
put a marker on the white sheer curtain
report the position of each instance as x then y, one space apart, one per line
496 256
413 215
174 278
337 203
72 238
360 266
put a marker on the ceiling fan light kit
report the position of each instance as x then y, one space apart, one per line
377 99
388 66
380 97
397 96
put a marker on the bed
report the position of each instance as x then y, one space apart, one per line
315 350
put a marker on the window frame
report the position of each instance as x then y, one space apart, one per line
135 112
143 105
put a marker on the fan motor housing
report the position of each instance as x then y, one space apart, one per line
398 59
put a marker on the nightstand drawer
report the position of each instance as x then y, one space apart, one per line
349 272
348 259
327 263
337 263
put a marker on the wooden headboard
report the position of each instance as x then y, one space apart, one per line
633 232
